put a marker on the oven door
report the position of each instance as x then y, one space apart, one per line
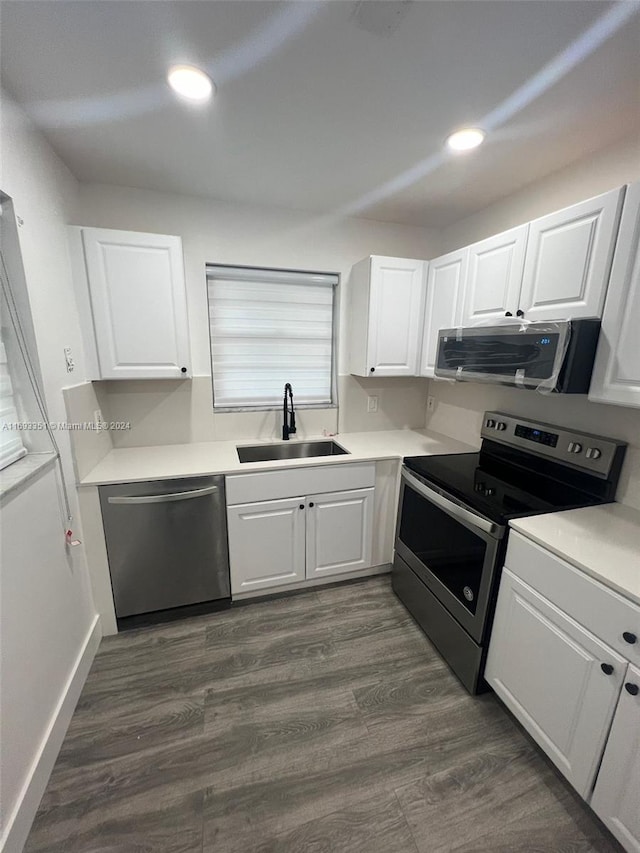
452 549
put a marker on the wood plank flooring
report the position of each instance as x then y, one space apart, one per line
320 723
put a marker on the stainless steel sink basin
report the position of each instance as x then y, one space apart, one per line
289 450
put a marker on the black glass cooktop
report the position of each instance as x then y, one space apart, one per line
499 489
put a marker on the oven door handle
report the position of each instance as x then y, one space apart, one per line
451 507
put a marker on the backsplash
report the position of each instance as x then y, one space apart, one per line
167 411
164 411
458 410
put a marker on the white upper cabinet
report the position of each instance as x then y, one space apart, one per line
616 798
568 260
494 276
443 303
616 375
386 316
137 303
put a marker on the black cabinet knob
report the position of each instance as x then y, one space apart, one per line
508 314
628 637
632 688
310 503
606 668
372 370
301 506
183 370
519 313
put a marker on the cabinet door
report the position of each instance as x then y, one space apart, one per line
339 532
548 671
138 301
395 315
616 798
495 276
568 260
266 544
616 374
443 303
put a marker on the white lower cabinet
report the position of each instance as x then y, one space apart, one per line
563 658
266 544
616 797
303 537
558 679
339 528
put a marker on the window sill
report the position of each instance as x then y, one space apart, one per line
299 407
18 473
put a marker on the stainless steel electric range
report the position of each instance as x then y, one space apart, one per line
453 522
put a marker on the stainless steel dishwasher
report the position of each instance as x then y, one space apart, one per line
167 548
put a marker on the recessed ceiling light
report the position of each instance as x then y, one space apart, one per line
191 83
465 139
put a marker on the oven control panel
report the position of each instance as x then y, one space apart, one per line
592 453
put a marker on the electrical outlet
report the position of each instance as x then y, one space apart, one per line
372 404
98 419
431 403
68 357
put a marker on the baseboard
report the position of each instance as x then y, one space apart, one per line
19 822
384 569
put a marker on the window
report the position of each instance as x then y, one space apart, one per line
269 327
11 446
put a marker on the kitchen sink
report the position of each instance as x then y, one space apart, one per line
289 450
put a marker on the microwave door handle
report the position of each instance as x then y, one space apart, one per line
161 499
449 506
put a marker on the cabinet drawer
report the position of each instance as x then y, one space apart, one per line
604 612
271 485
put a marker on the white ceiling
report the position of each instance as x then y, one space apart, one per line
320 108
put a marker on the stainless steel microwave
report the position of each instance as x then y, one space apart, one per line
551 356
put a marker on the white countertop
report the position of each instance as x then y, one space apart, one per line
603 541
171 461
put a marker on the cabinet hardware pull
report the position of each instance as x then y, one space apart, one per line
372 370
632 688
519 313
310 503
450 507
301 506
606 668
628 637
183 370
508 314
162 499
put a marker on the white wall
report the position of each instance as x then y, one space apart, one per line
220 232
617 165
459 406
47 610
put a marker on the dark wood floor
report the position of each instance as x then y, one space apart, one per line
321 723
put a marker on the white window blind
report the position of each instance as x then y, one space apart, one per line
11 447
269 327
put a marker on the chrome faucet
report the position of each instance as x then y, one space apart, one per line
289 422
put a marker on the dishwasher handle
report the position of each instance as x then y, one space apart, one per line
161 499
